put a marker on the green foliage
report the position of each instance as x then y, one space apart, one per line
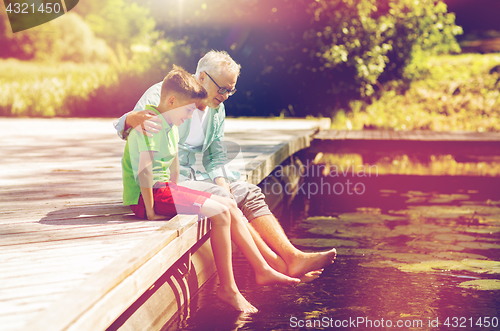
67 38
459 92
121 23
378 38
116 23
300 57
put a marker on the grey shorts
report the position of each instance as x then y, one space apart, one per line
249 197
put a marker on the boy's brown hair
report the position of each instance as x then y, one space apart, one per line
183 84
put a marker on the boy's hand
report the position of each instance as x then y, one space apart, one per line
145 121
155 217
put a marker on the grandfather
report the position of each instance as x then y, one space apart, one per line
217 72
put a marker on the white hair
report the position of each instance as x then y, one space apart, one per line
214 61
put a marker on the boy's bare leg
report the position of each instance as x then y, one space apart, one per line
220 237
264 274
298 262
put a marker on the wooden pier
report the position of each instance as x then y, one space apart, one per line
73 258
415 142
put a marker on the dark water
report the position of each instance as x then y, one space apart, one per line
405 247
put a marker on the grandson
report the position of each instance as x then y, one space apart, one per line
150 172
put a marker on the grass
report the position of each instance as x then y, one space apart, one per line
67 89
43 89
457 93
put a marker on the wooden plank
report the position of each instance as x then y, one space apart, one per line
11 255
166 300
28 290
33 280
55 246
65 312
84 225
342 134
107 310
15 321
69 235
355 135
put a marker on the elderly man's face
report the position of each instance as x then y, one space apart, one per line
223 79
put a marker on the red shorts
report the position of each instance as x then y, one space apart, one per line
170 200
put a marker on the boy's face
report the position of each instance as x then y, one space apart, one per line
181 111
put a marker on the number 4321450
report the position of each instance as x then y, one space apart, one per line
462 322
25 8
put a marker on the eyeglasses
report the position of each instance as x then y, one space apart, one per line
222 90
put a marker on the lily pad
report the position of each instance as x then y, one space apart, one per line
388 191
351 232
482 284
317 219
416 200
411 194
458 256
420 229
482 229
447 198
380 264
437 211
434 246
485 210
347 230
357 252
478 245
493 266
454 237
323 242
368 218
406 257
490 220
476 266
369 210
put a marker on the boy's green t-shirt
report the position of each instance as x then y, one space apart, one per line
163 144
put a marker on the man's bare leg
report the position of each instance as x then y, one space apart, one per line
298 263
274 260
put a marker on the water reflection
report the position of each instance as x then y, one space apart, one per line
413 254
403 164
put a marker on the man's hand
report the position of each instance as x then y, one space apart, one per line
221 181
145 121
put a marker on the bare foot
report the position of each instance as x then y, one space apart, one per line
271 276
311 261
310 276
236 300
